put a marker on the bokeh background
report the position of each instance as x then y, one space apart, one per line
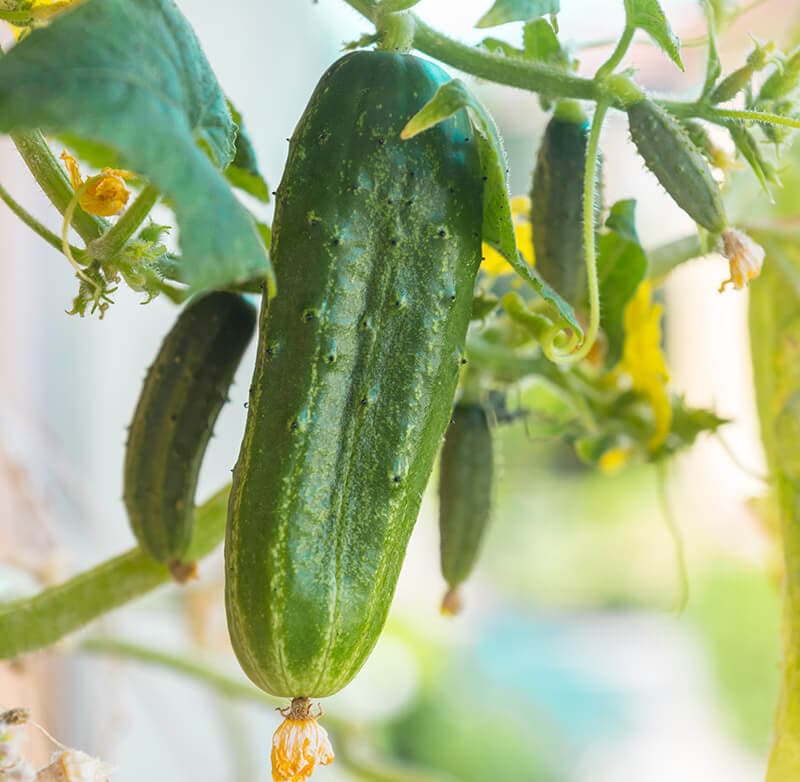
569 663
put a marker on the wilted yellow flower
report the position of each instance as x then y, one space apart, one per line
299 745
644 361
104 195
744 256
494 263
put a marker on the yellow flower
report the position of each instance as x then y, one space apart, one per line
103 195
299 745
744 256
614 459
494 263
644 361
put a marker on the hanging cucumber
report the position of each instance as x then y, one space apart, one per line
466 478
677 163
557 202
182 395
376 245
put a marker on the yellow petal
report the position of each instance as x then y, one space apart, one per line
299 745
72 169
644 361
614 459
106 194
746 258
493 263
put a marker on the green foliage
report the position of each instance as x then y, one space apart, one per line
165 121
504 11
621 266
647 15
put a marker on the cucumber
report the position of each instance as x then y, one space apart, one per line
466 478
180 400
376 245
557 202
677 163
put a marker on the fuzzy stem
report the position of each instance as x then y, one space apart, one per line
527 75
32 623
52 178
33 223
619 52
107 246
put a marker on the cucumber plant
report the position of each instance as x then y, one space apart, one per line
372 300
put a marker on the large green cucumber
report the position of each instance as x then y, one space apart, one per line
376 245
180 400
466 484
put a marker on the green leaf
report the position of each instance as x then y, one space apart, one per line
713 66
243 171
498 226
647 15
132 76
750 150
621 266
504 11
541 43
551 411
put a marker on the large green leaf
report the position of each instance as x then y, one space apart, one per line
131 76
504 11
647 15
621 266
498 226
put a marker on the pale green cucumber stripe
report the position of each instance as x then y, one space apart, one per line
35 622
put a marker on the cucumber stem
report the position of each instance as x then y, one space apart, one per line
35 622
32 222
621 49
105 247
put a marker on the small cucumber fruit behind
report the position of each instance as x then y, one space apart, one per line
677 163
376 245
182 395
557 202
466 485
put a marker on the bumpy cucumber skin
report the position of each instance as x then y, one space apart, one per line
183 392
376 245
680 167
557 207
466 478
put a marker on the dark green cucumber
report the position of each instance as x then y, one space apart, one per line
182 395
557 202
466 483
376 245
677 163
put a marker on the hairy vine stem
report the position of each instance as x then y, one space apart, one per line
31 623
536 77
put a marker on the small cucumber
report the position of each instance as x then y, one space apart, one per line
182 395
557 202
677 163
466 485
376 245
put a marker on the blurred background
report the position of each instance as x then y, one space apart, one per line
569 663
